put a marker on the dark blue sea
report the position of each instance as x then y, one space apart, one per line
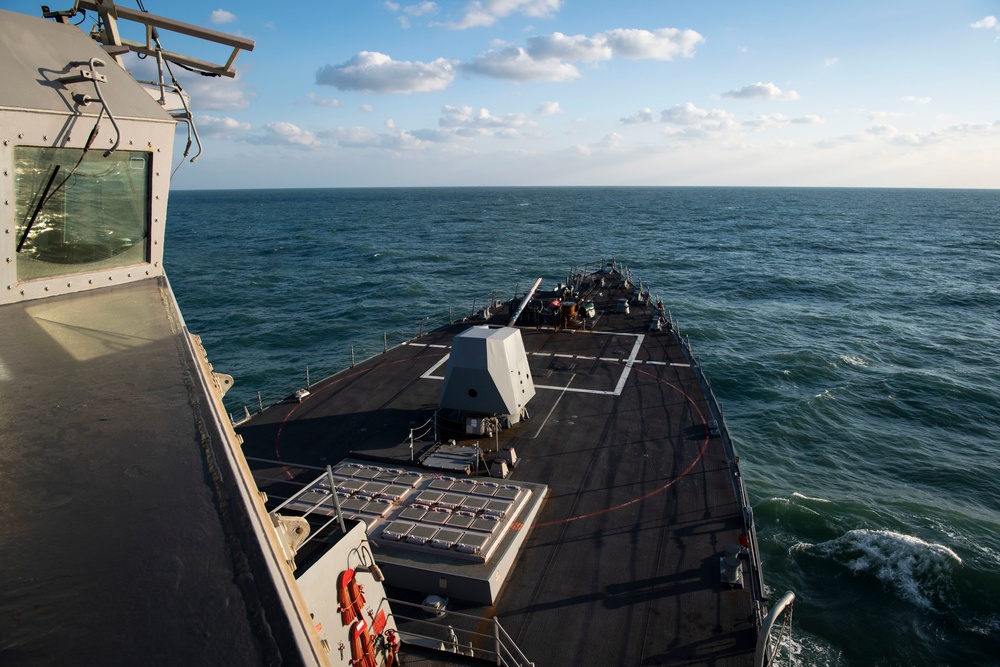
851 335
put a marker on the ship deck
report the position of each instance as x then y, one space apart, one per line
623 563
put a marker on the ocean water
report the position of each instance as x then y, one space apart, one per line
851 335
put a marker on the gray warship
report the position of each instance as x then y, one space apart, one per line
547 481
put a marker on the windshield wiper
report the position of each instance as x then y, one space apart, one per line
38 209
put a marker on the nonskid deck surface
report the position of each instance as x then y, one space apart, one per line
622 566
124 540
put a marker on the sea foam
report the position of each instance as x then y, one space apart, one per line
915 570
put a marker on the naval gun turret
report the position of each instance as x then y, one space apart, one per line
487 377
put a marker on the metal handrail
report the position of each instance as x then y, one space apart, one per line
495 646
766 652
743 499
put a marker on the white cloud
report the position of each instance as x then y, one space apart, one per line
836 142
809 119
363 137
420 9
882 115
987 22
217 93
283 133
662 44
889 134
611 143
408 11
642 116
549 57
372 72
761 91
222 16
515 64
482 13
910 99
548 109
765 121
324 101
911 139
569 47
882 130
220 127
830 62
399 141
976 132
356 137
367 108
466 122
434 135
456 123
688 115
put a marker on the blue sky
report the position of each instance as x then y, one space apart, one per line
573 92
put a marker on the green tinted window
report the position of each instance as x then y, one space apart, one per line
80 212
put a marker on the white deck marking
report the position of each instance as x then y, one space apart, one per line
577 391
628 364
555 403
428 375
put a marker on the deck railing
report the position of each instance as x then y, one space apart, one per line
758 595
473 636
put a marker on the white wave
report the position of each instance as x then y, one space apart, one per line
854 360
799 496
799 650
985 626
825 395
796 501
799 547
915 570
968 542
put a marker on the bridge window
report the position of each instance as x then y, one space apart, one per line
80 212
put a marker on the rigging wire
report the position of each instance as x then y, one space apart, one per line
189 121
